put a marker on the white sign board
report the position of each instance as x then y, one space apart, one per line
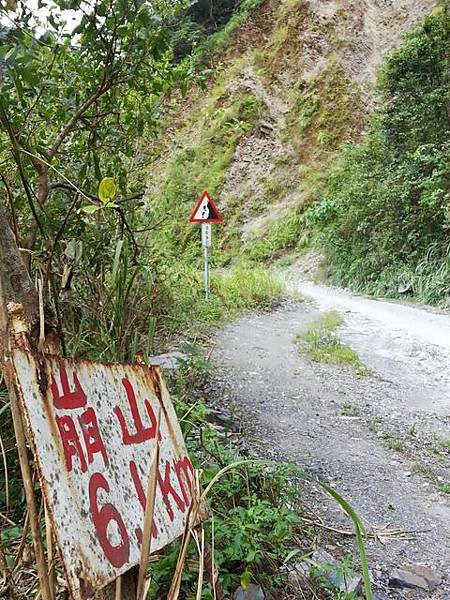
206 235
93 429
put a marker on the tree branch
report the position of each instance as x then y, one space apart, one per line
69 126
11 207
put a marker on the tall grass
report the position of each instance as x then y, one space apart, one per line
359 531
119 322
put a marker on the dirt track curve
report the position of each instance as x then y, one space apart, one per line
389 458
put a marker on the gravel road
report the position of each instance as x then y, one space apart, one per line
382 440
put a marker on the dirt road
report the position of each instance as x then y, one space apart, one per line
382 440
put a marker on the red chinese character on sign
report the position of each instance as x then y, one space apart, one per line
102 517
142 499
185 472
69 399
71 443
142 433
91 434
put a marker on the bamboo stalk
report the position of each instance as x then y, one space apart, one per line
49 540
28 486
201 555
148 517
118 594
5 467
191 517
213 564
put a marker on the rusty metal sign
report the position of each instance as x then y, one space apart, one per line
93 429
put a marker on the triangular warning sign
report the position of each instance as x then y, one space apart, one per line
206 211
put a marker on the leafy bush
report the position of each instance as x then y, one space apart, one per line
385 216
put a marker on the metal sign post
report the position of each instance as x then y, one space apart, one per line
206 243
205 212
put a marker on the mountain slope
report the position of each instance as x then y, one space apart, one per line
294 82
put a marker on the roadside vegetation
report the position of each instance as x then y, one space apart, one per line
384 217
101 161
321 343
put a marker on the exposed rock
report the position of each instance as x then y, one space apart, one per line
253 592
432 577
169 361
321 557
266 127
400 578
416 576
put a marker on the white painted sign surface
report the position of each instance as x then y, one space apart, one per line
206 235
93 429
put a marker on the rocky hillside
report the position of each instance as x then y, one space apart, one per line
288 87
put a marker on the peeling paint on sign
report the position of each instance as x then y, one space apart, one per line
93 428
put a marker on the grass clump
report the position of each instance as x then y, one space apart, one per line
320 343
445 488
247 288
348 410
241 288
444 443
394 442
282 235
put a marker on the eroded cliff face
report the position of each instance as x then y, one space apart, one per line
295 82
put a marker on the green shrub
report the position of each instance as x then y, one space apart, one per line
385 216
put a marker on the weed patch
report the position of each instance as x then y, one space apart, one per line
320 343
239 289
348 410
394 442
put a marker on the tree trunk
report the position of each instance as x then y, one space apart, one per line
16 282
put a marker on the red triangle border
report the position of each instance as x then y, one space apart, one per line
219 218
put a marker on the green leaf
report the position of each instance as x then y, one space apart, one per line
359 531
107 189
90 209
246 579
251 555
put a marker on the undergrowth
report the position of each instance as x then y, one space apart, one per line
234 290
281 235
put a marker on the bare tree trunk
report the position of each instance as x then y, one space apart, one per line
16 282
16 288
